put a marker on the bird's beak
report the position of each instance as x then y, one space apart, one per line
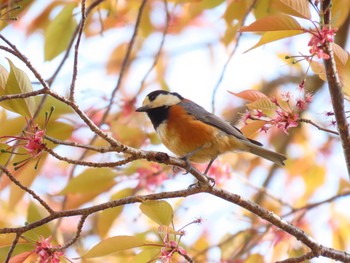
143 109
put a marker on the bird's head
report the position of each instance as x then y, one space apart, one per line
158 99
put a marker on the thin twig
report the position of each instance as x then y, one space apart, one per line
303 258
79 145
238 37
125 61
77 234
90 164
157 56
70 45
316 204
76 51
13 246
317 126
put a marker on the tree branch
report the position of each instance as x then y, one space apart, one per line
335 88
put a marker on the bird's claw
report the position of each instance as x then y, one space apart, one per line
198 184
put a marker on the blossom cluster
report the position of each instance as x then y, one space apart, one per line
318 40
287 112
31 140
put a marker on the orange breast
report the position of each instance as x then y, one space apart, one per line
183 134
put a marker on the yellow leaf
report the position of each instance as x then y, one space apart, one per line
92 180
263 8
148 254
160 212
314 177
273 23
106 218
59 32
236 10
299 8
269 37
114 244
26 175
340 12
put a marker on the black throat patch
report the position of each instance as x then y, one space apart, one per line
158 115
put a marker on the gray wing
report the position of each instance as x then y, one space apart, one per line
209 118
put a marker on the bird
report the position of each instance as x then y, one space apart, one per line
196 135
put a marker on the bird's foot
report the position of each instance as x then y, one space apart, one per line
199 184
189 166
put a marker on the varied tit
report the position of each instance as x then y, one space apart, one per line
194 134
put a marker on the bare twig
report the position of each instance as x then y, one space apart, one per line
316 204
77 234
125 61
13 246
157 56
76 51
303 258
317 126
299 234
230 57
70 45
90 164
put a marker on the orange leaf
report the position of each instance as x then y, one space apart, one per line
249 95
22 257
299 8
273 23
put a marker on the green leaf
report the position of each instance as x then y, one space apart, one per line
59 32
112 245
299 8
160 212
17 82
268 37
90 181
273 23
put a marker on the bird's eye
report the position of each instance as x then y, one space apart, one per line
152 97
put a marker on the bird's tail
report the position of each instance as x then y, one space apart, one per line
277 158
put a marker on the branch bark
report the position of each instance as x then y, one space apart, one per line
335 88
